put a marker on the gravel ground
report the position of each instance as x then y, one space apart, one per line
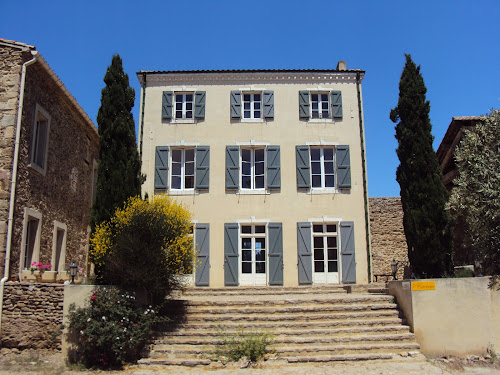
45 363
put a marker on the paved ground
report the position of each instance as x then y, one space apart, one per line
45 363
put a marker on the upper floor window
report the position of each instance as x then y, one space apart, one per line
257 105
323 168
179 169
40 142
253 169
183 106
314 105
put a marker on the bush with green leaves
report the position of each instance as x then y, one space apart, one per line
252 345
112 329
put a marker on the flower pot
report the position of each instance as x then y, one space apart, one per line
49 276
28 276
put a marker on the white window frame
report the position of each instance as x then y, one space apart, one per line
183 118
183 169
252 103
322 166
58 226
30 214
324 234
320 112
253 223
252 150
40 115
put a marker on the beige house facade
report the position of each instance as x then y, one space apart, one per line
271 164
48 157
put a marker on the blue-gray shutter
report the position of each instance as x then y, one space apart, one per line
199 104
275 253
347 252
336 99
166 106
231 254
202 167
235 104
232 167
202 243
304 253
304 112
343 167
161 168
273 168
268 104
303 167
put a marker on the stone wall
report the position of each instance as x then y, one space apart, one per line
64 193
32 316
387 236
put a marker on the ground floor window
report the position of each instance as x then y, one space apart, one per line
30 245
253 254
325 253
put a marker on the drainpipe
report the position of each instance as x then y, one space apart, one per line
13 181
365 183
142 114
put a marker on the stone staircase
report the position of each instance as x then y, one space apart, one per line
308 324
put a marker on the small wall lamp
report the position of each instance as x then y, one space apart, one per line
73 267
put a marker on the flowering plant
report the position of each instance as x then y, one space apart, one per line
39 266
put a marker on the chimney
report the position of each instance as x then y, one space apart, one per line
341 65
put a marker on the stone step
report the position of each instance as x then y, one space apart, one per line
214 340
310 331
268 290
294 324
338 358
297 316
187 362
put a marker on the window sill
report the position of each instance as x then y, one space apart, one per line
183 192
184 121
321 121
35 167
252 120
253 192
323 191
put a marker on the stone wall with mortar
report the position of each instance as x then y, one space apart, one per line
387 235
64 193
32 316
11 60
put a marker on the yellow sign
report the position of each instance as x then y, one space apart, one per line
423 285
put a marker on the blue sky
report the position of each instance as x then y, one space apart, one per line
455 42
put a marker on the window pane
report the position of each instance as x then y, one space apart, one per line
256 97
315 114
329 181
332 254
314 106
246 229
329 167
246 97
333 266
246 182
259 154
189 169
316 167
256 114
176 169
178 106
316 181
318 228
319 254
246 243
189 182
178 98
315 153
246 267
189 97
246 169
318 242
314 97
260 243
189 114
324 106
331 242
260 229
259 168
328 152
177 155
246 155
319 267
256 105
246 114
260 267
260 255
189 106
190 154
324 114
259 182
246 105
331 228
176 182
246 255
324 97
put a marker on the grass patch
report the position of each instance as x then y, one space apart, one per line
252 345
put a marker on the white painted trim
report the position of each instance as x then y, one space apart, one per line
62 257
30 213
252 192
321 121
183 89
253 220
181 143
325 219
184 121
320 191
176 192
249 120
252 88
252 143
322 143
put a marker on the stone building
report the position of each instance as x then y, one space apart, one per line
48 158
272 165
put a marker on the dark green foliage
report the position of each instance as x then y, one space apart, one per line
112 329
427 223
119 175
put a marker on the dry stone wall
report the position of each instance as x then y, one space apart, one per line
32 316
388 240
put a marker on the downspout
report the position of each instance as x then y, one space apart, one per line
142 114
13 182
365 183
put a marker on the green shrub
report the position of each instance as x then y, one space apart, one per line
252 345
111 329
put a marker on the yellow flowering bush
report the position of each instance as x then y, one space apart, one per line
143 245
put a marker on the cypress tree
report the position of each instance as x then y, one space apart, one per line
118 171
427 223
